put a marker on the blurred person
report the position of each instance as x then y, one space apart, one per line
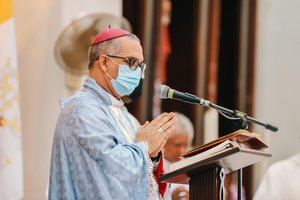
99 150
178 144
281 181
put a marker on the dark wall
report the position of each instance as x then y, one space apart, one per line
228 61
181 65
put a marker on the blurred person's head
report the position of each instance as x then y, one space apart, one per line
115 58
180 140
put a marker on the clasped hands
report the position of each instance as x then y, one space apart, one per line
156 132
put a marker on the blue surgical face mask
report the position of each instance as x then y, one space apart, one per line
127 80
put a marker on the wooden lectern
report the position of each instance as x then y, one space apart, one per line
204 174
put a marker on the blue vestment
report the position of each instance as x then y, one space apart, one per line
90 157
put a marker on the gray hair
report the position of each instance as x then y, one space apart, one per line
184 125
106 47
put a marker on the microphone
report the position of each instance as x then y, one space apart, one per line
165 92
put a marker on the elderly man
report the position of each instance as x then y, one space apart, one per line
176 145
99 150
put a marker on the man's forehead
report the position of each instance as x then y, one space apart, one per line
130 48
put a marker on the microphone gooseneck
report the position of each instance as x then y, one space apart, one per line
165 92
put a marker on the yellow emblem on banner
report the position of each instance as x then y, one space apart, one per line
6 10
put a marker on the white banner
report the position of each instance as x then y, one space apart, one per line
11 171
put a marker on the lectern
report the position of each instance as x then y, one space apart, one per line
202 174
206 175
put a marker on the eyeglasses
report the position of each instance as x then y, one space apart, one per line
133 63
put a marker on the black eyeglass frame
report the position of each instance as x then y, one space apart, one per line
130 62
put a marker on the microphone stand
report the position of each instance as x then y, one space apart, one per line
244 119
229 114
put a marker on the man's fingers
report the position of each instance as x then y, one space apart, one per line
157 119
162 139
143 126
158 131
170 123
146 123
166 134
165 119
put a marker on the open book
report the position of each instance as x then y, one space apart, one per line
201 156
241 138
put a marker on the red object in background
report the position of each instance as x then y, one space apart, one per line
165 44
109 34
164 54
159 171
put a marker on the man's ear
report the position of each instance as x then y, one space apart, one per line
102 61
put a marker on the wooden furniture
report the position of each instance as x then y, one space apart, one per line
203 175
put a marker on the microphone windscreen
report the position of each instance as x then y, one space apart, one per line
162 91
